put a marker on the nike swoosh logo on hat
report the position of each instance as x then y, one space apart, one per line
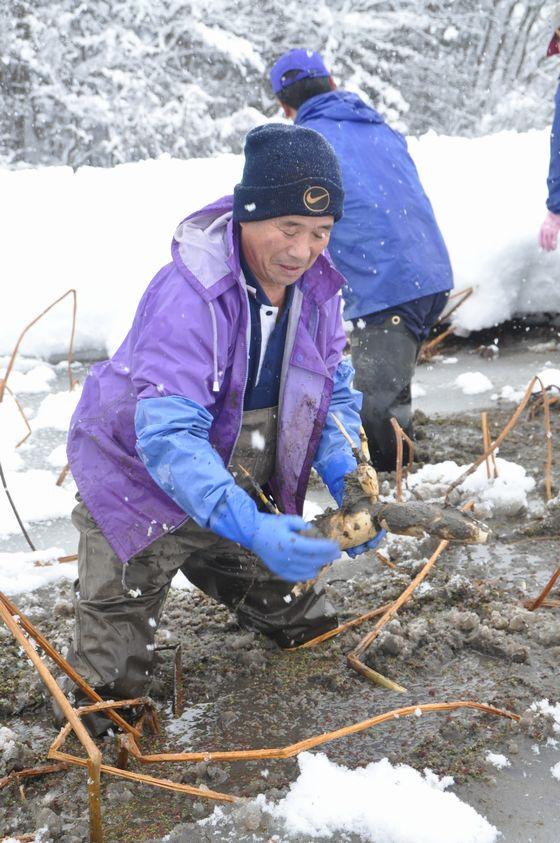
316 196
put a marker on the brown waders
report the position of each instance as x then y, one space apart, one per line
118 607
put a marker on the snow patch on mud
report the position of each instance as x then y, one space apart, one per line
502 495
328 799
550 710
497 760
473 383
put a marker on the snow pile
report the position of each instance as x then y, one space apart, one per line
12 431
57 457
492 231
37 498
107 231
416 390
549 376
556 771
328 799
56 410
503 495
550 379
473 383
498 761
19 571
508 393
37 379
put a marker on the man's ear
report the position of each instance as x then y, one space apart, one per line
332 84
289 112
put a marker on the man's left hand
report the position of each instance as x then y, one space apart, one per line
370 545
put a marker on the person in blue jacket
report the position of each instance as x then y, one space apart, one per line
387 245
548 235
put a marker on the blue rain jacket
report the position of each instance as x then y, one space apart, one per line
388 244
553 181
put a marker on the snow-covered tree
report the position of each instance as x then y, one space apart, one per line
106 81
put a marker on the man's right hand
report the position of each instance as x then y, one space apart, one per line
548 235
279 542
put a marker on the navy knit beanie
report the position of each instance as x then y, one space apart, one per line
288 170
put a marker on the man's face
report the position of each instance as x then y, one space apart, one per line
281 249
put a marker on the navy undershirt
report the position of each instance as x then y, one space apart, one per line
418 315
266 392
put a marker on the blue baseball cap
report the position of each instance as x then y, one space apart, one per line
307 63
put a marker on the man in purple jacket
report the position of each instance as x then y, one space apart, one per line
234 359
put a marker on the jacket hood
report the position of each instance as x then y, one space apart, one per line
338 105
203 249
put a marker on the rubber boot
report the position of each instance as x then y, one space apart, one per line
384 357
262 602
96 722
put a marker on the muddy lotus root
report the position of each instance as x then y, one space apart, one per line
362 515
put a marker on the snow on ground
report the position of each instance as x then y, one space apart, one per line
416 390
107 231
57 458
490 220
505 494
12 431
497 760
19 571
550 378
473 383
509 393
56 409
552 711
37 379
380 802
548 709
38 498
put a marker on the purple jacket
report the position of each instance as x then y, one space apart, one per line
190 338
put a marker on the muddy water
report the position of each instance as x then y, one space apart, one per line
464 635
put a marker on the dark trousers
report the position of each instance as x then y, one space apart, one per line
118 608
385 346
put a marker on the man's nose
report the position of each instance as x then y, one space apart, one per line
300 248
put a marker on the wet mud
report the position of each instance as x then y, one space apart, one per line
465 635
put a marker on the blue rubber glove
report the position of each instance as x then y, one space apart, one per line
334 473
370 545
286 552
275 538
334 457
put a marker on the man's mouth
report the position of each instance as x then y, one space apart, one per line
288 268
